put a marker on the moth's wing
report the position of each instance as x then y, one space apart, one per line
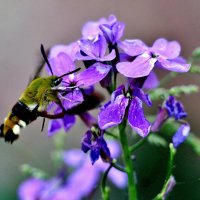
39 68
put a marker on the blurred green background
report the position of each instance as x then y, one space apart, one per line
24 25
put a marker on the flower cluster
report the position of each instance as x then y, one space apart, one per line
103 55
63 186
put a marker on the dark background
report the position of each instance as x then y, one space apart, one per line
24 25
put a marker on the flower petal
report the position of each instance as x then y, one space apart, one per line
99 46
151 82
140 67
94 153
61 64
87 47
173 50
160 45
93 74
70 50
118 31
63 193
104 150
137 119
83 180
118 178
90 30
115 149
107 32
114 113
86 141
94 49
133 47
108 57
54 126
30 189
72 99
161 117
172 65
175 108
68 121
167 49
181 135
117 92
73 157
142 96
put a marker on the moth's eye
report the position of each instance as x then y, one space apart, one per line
57 81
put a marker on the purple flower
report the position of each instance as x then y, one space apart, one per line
30 188
72 90
181 135
88 181
52 189
111 28
126 105
55 125
94 141
95 49
113 31
162 54
171 109
62 188
175 108
71 50
151 81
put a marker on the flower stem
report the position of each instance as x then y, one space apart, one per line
105 189
117 166
112 135
128 162
137 145
161 195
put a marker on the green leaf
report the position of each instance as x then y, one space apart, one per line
194 142
162 93
28 170
157 140
183 89
195 69
196 55
158 94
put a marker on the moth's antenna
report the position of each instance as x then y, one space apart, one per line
70 72
45 58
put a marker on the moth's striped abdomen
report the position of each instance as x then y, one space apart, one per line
20 116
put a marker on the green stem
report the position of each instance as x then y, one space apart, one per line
160 196
115 81
117 166
171 161
105 189
112 135
137 145
128 162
